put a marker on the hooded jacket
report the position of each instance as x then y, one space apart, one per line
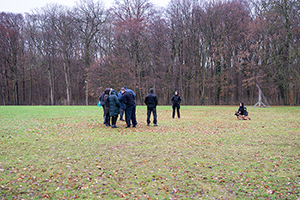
106 95
151 100
114 104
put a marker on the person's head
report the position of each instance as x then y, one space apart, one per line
122 90
241 104
151 90
107 90
113 92
176 92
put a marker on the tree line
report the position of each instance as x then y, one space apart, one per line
212 52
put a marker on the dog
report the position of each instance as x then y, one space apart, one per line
241 117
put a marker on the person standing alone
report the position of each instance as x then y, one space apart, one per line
151 102
176 100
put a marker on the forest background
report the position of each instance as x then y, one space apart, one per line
213 52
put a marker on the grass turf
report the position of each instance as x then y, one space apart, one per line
65 152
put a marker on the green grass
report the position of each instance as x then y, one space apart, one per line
65 152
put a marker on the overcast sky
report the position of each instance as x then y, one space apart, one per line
22 6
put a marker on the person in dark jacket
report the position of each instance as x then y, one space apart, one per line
128 100
122 105
114 108
176 100
102 103
129 90
151 102
242 110
106 106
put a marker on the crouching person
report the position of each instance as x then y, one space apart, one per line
114 108
242 110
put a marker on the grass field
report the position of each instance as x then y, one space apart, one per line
66 152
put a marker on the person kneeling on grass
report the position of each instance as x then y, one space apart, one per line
242 110
114 107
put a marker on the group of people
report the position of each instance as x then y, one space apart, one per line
114 103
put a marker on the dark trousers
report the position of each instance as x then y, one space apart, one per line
104 116
177 106
130 115
114 120
153 110
107 118
121 113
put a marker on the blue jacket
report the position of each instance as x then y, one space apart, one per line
122 105
129 90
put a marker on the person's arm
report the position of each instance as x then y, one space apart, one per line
179 100
101 96
156 100
133 94
124 99
117 101
172 99
120 96
241 110
107 102
145 101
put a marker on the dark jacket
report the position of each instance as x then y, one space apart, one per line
101 98
243 110
106 105
151 100
114 104
122 105
176 99
128 99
